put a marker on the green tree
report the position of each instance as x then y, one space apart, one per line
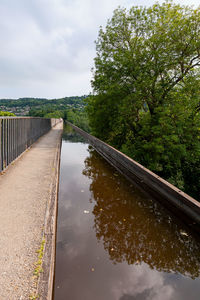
78 118
146 88
55 114
6 114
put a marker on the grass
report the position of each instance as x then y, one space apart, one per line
38 264
38 267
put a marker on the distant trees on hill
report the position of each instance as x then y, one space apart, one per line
68 108
75 100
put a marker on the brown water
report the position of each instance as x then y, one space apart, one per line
113 242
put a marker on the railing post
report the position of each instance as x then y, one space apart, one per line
17 134
1 147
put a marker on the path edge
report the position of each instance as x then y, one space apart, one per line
46 278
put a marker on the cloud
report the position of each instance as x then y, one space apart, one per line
47 46
140 280
45 50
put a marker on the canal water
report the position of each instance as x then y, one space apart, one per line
113 241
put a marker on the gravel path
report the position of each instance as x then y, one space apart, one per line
25 189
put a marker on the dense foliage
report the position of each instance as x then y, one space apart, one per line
146 89
6 114
47 111
76 116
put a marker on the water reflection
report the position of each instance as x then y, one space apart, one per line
134 228
126 247
70 135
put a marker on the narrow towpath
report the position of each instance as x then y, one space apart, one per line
25 193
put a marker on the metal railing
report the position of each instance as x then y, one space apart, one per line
19 133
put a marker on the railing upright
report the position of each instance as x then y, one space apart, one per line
19 133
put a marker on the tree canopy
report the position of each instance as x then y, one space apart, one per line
146 85
6 114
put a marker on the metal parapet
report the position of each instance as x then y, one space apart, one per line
19 133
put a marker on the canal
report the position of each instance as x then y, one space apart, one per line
113 241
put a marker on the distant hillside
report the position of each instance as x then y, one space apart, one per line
42 101
22 106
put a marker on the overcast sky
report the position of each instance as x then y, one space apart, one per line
47 46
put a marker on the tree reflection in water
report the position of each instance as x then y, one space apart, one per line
69 135
134 228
